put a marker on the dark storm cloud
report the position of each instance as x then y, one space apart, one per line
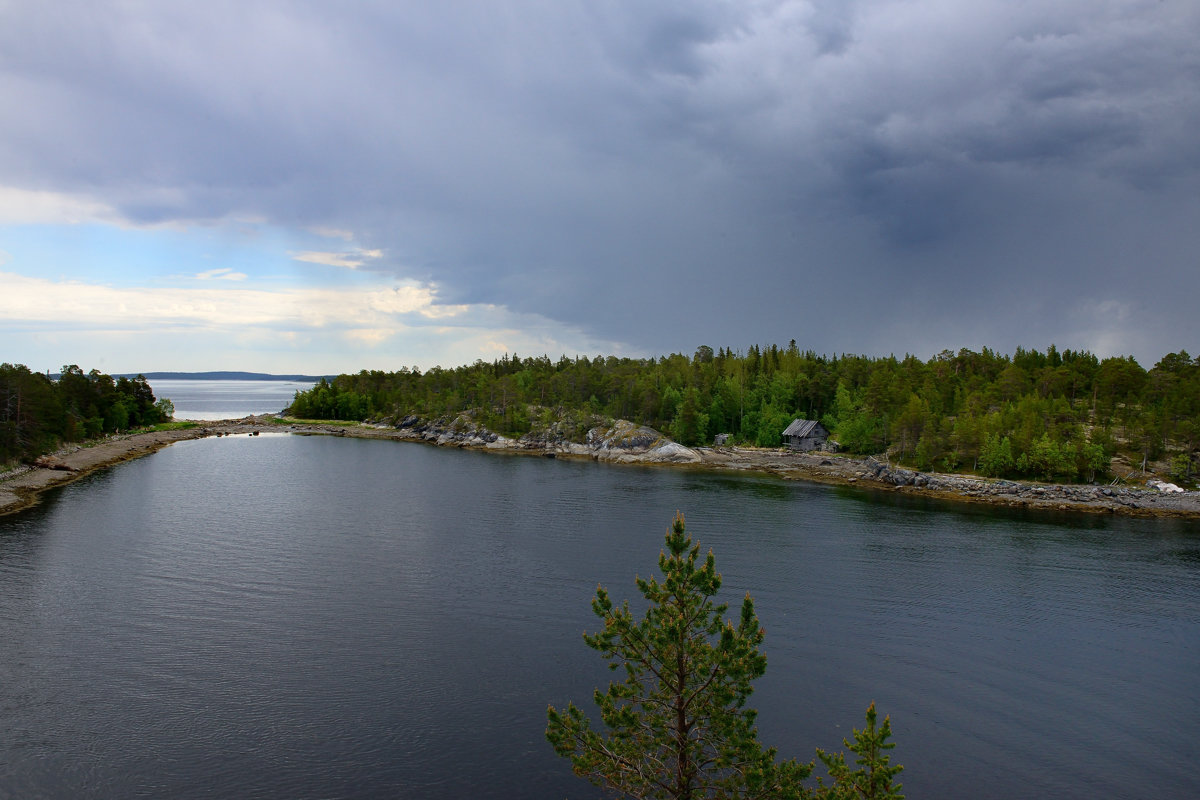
870 176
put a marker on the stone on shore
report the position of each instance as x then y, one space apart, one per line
50 462
627 443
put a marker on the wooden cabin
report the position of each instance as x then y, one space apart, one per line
805 434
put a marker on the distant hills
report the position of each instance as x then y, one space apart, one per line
224 376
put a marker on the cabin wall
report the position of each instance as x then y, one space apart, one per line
806 443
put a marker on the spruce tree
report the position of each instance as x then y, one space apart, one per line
677 725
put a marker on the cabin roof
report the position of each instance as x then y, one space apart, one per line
801 427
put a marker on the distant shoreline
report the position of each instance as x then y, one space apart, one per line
21 488
227 376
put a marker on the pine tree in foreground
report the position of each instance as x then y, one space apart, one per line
873 779
677 724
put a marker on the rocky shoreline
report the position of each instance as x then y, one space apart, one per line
622 443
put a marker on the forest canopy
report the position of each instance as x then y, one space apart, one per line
37 414
1057 415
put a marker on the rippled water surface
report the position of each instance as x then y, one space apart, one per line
285 616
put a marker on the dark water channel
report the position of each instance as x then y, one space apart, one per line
316 617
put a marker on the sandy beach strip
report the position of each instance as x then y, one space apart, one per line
20 488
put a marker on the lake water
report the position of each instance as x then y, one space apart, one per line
319 617
209 400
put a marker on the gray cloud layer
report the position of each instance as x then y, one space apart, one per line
860 176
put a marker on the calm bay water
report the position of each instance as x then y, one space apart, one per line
286 616
208 400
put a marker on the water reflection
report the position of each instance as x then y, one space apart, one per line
753 486
287 616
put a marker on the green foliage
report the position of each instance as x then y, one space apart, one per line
936 414
37 413
330 401
1047 459
873 778
929 449
861 433
690 424
1090 460
677 725
165 408
771 423
181 425
1181 468
854 427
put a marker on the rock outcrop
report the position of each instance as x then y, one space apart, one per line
1110 498
623 442
626 443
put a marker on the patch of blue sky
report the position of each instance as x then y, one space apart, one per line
245 253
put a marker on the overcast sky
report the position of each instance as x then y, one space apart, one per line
316 186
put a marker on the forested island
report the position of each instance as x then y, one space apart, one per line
1039 415
39 414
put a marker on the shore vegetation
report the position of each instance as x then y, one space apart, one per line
39 414
1041 415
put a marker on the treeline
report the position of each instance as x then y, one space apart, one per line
38 414
1045 415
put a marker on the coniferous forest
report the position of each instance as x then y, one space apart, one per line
38 414
1040 415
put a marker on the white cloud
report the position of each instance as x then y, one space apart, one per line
26 207
440 311
71 303
400 299
80 312
220 274
352 260
409 299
